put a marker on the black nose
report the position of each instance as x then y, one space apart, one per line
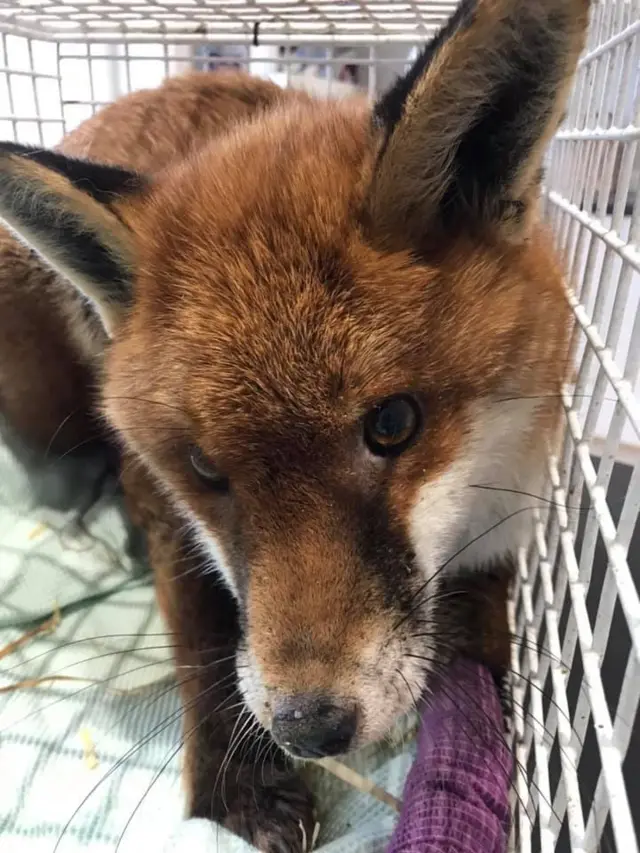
312 727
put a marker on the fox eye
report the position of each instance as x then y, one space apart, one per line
391 426
207 471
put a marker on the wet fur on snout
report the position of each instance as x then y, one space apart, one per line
266 272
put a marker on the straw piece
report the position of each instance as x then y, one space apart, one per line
37 531
88 748
47 627
36 682
360 783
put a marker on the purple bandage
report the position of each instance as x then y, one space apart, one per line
456 797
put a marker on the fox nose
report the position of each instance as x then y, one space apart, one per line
312 726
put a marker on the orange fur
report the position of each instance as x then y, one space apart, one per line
293 264
49 354
293 364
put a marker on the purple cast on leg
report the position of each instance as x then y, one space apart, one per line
456 798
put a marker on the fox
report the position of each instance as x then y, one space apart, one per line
328 340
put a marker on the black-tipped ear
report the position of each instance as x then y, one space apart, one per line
65 209
462 135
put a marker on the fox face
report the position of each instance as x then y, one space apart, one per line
337 339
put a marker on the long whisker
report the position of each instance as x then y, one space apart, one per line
130 650
168 721
543 500
528 681
402 675
247 744
501 734
515 639
94 683
177 684
95 638
77 411
172 754
517 397
102 655
456 554
246 730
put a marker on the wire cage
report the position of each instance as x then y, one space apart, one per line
575 605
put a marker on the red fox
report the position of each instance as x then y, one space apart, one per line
329 339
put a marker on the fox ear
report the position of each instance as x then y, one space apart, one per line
64 209
463 134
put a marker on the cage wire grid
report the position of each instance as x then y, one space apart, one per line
60 62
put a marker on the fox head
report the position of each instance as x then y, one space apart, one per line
337 337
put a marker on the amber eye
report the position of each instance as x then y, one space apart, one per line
391 426
207 471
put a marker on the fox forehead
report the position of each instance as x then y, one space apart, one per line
289 174
253 265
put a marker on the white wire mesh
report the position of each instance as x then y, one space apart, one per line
235 20
576 597
575 607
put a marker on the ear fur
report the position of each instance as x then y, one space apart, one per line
463 134
63 209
